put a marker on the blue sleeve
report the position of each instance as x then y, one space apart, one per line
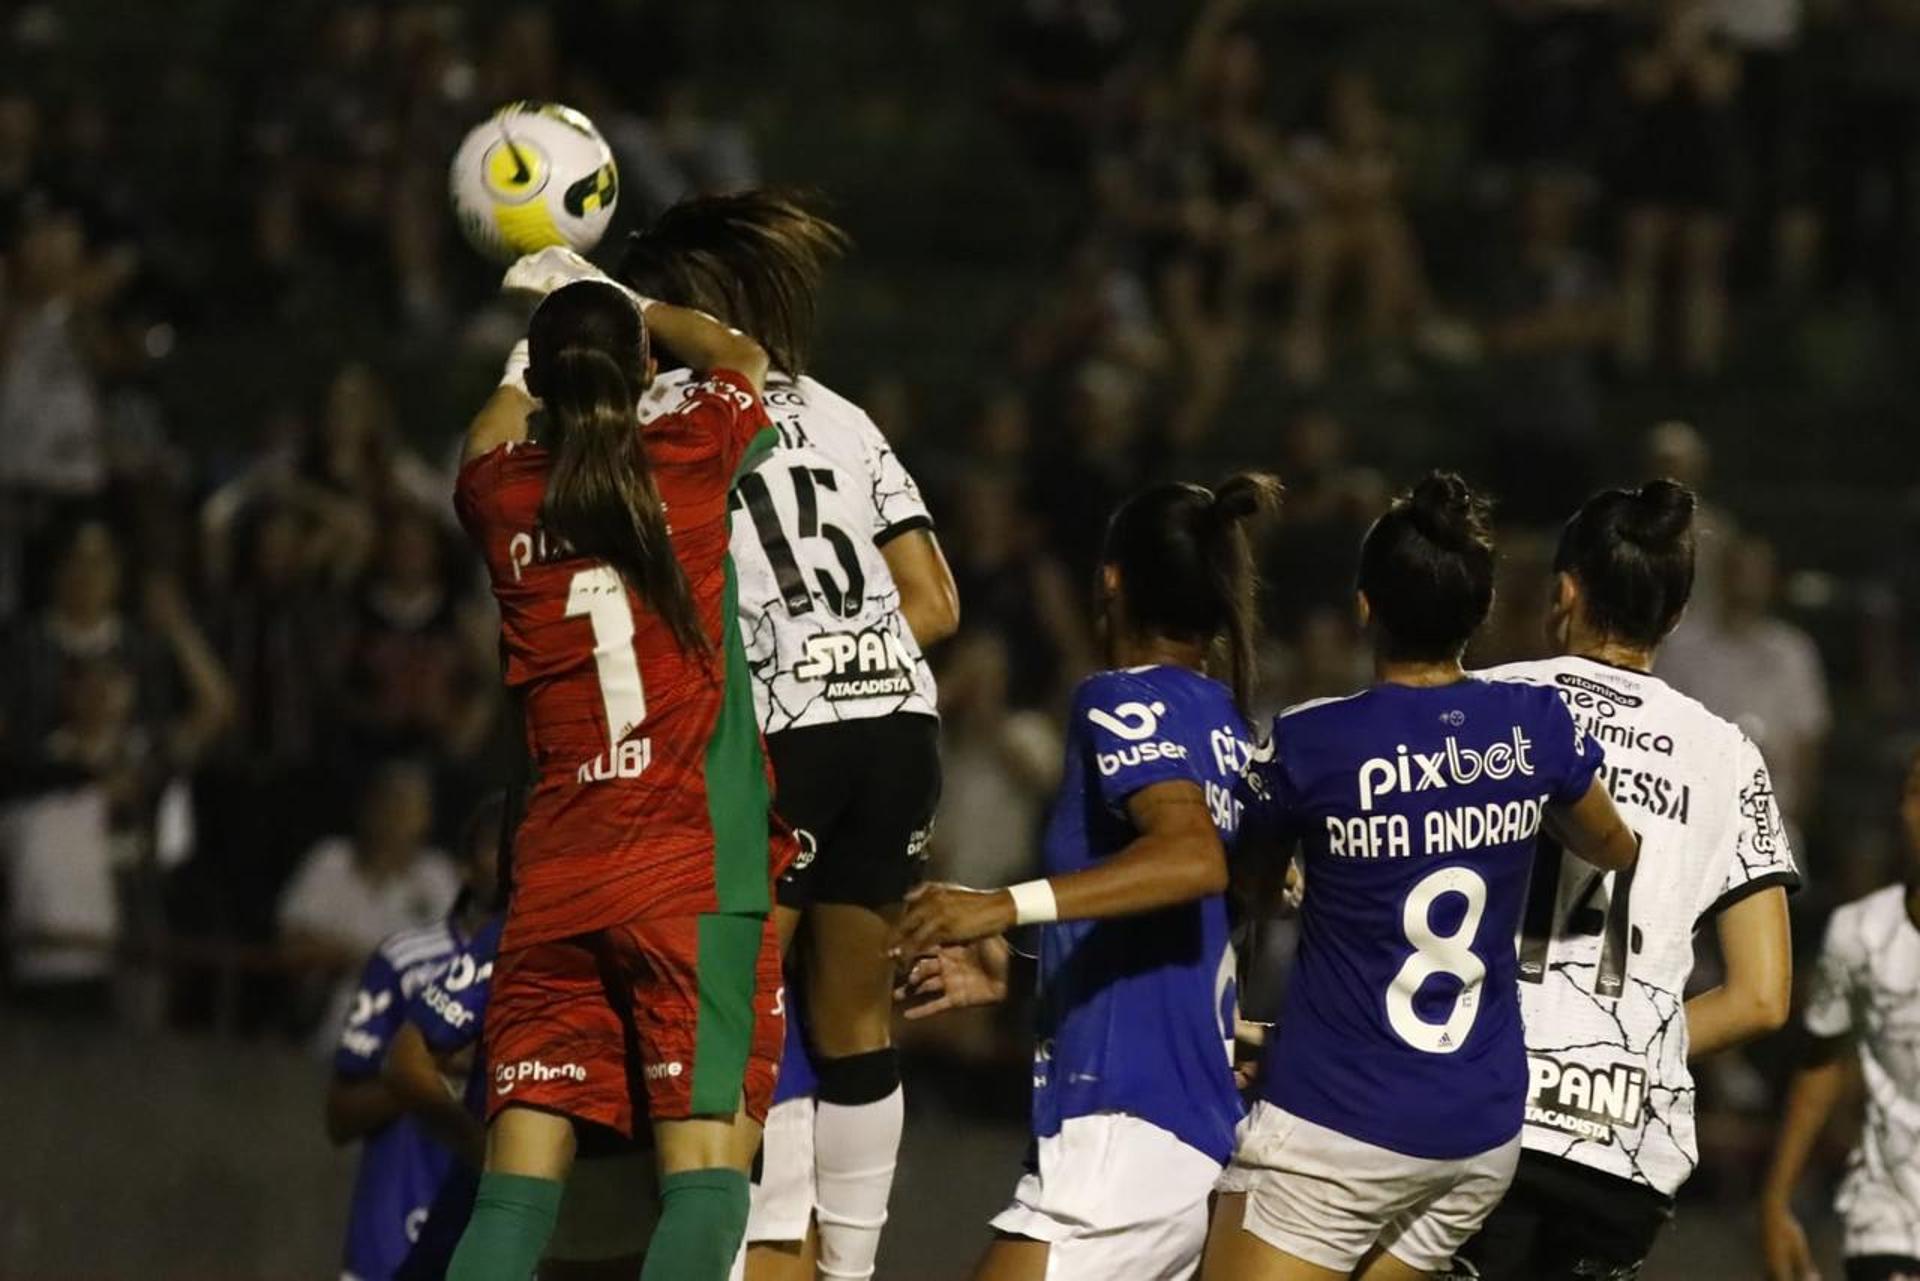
450 1009
1133 737
1569 756
1267 796
371 1021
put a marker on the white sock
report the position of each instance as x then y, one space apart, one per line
854 1153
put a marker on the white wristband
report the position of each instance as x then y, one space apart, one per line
1033 902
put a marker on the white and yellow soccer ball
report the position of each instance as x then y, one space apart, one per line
533 174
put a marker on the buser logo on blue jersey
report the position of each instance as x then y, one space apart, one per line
1134 722
1451 765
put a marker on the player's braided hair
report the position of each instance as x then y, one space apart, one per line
753 259
587 362
1186 565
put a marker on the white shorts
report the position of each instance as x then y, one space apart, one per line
782 1206
608 1210
1324 1197
1115 1196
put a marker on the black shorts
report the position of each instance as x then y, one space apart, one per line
1883 1267
861 795
1561 1221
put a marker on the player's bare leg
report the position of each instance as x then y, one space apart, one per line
1381 1266
1237 1255
858 1122
531 1143
783 1260
1013 1259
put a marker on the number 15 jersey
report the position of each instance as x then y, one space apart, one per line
1417 810
1605 957
819 610
651 789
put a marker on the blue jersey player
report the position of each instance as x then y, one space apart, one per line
402 1166
1392 1096
604 1218
1134 1102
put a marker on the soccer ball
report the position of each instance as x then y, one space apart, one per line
534 174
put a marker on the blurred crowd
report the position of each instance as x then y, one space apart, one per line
249 682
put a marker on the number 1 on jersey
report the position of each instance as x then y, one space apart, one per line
599 595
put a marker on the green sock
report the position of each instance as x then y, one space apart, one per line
513 1216
703 1216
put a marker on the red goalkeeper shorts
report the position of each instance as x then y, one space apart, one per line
670 1018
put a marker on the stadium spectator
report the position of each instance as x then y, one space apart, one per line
409 683
1014 585
1775 132
1675 172
1761 672
1308 563
1354 224
64 914
352 891
1868 149
1547 70
1551 319
999 763
87 617
1062 59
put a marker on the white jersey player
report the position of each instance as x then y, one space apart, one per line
1866 1003
1605 959
839 582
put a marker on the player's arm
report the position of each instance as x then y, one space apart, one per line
414 1078
929 599
358 1106
501 421
704 343
1176 858
1592 829
1818 1087
1757 944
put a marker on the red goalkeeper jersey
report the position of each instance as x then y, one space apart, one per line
651 788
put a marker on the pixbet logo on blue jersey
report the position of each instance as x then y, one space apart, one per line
1453 765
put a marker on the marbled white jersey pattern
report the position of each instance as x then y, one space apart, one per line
1867 986
1605 957
818 607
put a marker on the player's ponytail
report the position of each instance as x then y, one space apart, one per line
753 259
1426 569
587 364
1186 566
1632 553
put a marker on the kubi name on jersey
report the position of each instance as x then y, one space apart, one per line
1449 831
871 664
628 760
1584 1101
1453 765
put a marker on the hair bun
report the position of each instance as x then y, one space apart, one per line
1447 512
1658 514
1242 497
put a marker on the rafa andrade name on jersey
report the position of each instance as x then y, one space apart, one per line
873 663
1586 1102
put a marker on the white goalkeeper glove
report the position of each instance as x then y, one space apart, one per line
539 274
